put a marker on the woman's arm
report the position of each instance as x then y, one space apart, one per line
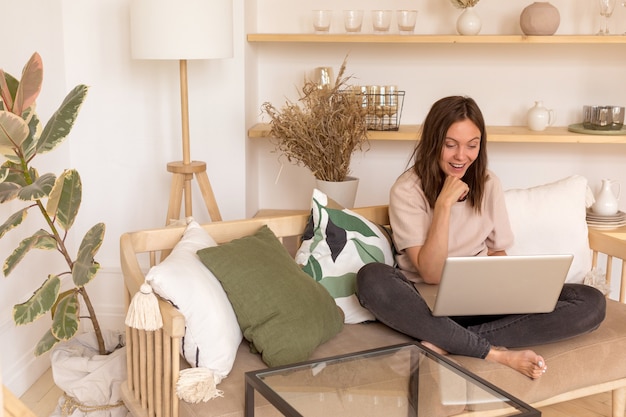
429 258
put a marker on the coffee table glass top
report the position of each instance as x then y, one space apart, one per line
403 380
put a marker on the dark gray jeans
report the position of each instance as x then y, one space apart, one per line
395 301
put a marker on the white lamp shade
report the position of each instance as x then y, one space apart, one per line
181 29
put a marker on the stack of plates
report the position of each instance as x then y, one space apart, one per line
606 222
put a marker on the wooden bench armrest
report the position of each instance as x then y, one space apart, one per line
612 243
152 358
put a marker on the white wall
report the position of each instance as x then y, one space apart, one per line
505 80
16 351
129 127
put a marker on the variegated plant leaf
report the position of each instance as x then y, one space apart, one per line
13 131
65 197
29 146
61 122
8 86
61 296
5 171
40 240
85 267
46 343
40 303
65 322
15 220
13 179
8 191
12 172
6 93
39 189
30 84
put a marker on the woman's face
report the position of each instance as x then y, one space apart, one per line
460 148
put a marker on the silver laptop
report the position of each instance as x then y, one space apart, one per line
492 285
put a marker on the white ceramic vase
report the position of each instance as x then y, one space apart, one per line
607 200
469 22
539 117
343 192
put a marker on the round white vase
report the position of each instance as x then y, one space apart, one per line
607 200
539 117
469 22
343 192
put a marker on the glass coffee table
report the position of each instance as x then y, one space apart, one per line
403 380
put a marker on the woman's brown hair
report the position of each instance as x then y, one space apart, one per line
427 153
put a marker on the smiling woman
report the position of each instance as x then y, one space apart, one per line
449 204
452 121
460 150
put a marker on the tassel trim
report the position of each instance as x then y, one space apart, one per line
197 385
143 311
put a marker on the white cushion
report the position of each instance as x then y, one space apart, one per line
337 242
549 219
212 334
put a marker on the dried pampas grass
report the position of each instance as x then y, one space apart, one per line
322 129
464 4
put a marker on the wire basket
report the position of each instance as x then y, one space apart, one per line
383 110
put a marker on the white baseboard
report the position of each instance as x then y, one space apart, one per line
20 370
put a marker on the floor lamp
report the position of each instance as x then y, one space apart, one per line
183 30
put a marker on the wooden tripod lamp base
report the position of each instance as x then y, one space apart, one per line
183 174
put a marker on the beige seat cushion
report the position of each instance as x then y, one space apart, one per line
353 338
572 364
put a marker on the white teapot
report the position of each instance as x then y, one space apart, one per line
607 200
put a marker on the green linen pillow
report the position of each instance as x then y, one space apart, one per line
337 242
281 311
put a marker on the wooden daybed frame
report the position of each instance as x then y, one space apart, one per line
154 357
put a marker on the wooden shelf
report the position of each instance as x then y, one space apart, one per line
503 134
434 39
510 134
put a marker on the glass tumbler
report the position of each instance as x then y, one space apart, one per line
353 20
321 20
406 21
381 20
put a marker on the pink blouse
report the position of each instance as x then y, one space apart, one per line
471 233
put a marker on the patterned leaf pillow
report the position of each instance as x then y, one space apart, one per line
337 242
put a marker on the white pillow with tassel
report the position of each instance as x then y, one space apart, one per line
212 334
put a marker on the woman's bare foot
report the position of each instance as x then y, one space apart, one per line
432 347
526 362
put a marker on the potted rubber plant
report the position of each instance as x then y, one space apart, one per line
322 129
56 198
